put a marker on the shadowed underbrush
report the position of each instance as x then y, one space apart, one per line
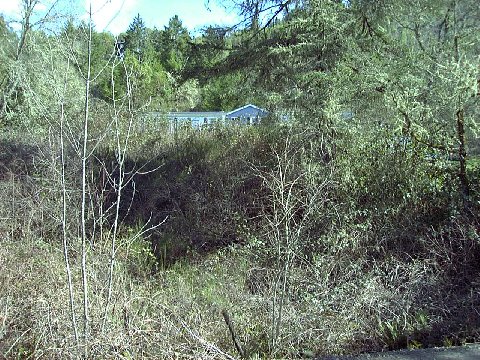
370 252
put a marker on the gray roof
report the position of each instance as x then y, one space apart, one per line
190 114
243 112
247 111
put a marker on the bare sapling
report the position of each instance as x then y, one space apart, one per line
64 211
123 177
292 206
85 155
118 184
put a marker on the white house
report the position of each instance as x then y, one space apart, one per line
248 114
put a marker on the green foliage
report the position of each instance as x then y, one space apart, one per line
138 254
223 92
136 37
146 77
401 332
173 46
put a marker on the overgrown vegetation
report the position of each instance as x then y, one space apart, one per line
350 227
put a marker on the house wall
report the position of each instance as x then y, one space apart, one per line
248 114
196 122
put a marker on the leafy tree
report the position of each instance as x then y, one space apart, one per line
145 78
7 51
425 71
416 72
33 66
206 52
186 96
103 54
102 59
226 92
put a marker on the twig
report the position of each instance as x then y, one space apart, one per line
232 332
205 343
84 192
15 343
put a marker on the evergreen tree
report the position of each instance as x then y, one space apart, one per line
136 37
425 71
174 46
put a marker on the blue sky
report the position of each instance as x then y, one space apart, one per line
156 13
116 15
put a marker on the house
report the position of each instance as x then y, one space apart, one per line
248 115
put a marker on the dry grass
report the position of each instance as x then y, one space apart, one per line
358 291
177 313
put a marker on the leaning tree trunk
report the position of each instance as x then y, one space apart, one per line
460 119
462 155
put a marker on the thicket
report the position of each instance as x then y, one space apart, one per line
351 227
359 258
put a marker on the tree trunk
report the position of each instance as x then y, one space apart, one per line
462 155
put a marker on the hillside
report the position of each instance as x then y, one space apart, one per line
344 222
